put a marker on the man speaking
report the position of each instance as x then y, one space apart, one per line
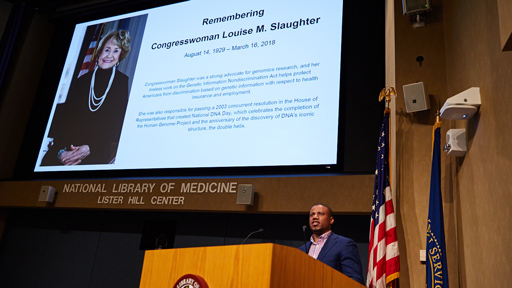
334 250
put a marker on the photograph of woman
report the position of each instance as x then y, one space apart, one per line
87 126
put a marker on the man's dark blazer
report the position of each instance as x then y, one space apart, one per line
340 253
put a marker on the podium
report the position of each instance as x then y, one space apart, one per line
246 266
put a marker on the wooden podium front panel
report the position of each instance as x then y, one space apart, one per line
222 266
247 266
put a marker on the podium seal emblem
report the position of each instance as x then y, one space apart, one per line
190 281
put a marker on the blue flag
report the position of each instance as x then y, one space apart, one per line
437 271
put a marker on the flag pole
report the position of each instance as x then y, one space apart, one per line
438 124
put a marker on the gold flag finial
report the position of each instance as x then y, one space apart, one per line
387 93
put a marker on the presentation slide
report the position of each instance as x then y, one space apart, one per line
201 84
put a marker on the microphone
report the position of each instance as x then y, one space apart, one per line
305 241
257 231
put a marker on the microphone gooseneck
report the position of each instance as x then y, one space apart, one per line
257 231
305 241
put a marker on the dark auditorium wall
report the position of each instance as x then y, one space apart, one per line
20 84
83 248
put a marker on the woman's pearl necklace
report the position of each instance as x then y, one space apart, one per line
96 102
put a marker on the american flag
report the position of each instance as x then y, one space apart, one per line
88 64
383 260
